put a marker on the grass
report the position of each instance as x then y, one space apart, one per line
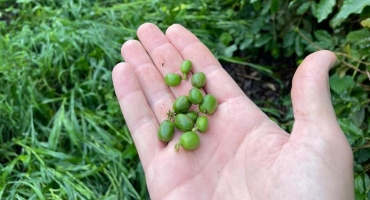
63 136
62 133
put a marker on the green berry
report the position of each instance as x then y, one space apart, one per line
195 96
183 122
189 141
202 124
166 131
192 115
198 79
172 79
185 68
182 104
208 105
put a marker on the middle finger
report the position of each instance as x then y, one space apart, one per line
163 54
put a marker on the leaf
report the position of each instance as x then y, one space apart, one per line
248 39
228 51
274 112
298 46
226 38
356 36
338 84
23 1
362 155
349 7
322 35
292 3
352 131
289 39
303 8
358 167
324 39
256 5
261 68
264 39
358 116
323 9
359 184
266 7
367 182
313 8
365 23
275 6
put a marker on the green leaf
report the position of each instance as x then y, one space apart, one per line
298 46
323 40
261 68
367 182
264 39
313 8
247 40
256 5
303 8
228 51
349 7
355 36
23 1
226 38
266 7
362 155
338 84
358 116
289 39
323 35
274 112
351 130
359 184
323 9
358 167
275 6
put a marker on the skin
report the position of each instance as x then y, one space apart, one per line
243 155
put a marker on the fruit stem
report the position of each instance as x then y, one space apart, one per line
177 146
171 115
194 129
184 77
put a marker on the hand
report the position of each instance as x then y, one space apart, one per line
243 155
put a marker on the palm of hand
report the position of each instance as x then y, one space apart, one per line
243 155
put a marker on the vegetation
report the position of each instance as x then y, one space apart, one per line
62 133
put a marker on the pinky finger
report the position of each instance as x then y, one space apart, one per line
139 117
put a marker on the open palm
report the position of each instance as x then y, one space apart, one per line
243 155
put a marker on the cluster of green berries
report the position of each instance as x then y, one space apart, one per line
181 117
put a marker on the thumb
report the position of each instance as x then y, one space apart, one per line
324 147
312 107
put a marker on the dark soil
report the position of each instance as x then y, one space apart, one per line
260 87
267 92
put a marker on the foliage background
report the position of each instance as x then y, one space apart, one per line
62 133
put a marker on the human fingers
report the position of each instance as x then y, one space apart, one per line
163 54
316 130
311 98
219 82
137 112
157 94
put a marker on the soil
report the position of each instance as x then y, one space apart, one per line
260 87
